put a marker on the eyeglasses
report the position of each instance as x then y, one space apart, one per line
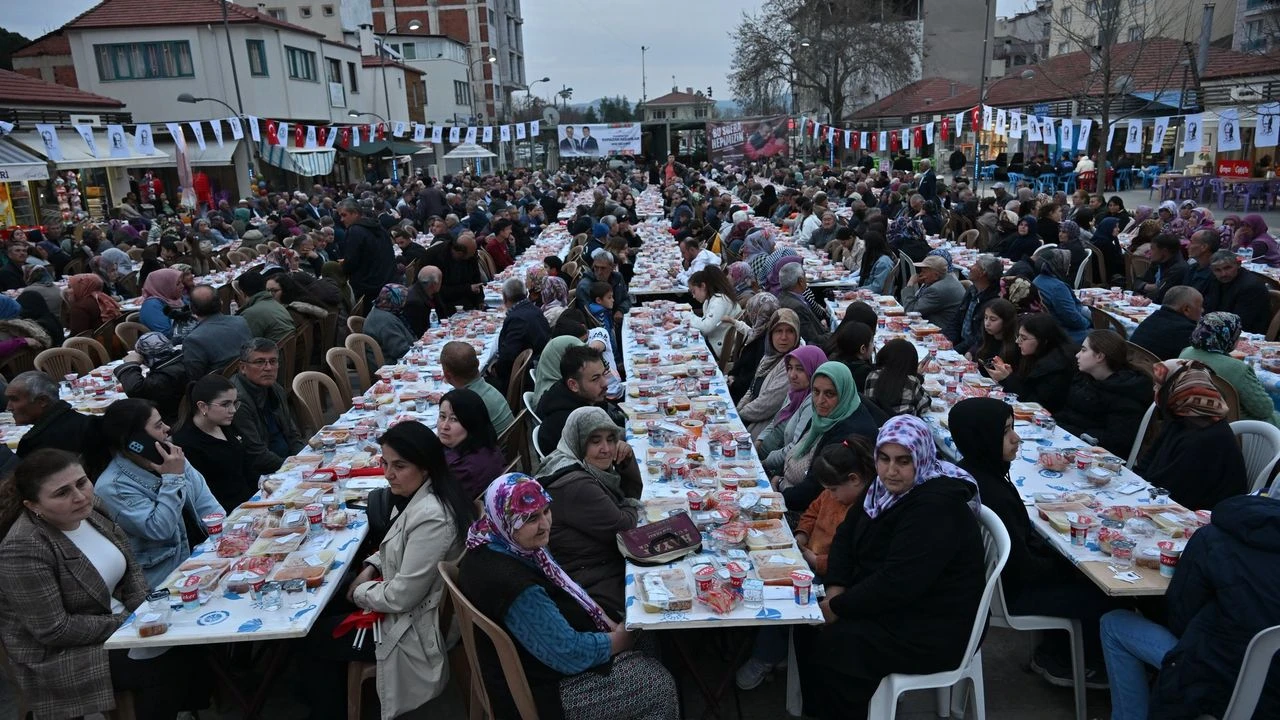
1024 338
228 404
264 362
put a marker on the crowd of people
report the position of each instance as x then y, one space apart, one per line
95 509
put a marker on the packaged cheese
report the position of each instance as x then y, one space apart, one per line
666 590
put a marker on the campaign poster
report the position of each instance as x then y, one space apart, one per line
743 140
598 140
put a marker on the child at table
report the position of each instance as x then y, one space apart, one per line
601 308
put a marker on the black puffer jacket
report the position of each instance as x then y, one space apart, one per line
1224 592
1110 411
163 385
368 258
1048 383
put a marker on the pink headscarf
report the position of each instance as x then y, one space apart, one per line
912 433
165 284
811 358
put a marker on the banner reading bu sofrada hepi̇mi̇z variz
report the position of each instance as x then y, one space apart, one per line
738 141
599 140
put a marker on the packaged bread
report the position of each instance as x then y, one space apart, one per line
656 509
1171 517
666 590
768 535
278 542
767 506
1056 513
310 567
774 566
209 569
248 571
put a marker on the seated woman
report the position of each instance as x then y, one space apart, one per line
851 344
1053 284
999 334
151 491
111 266
838 412
877 261
88 306
1045 367
67 583
594 481
711 287
578 662
753 326
744 282
430 514
470 443
555 298
212 445
1195 430
18 333
768 388
909 556
385 324
164 383
161 293
1107 398
789 425
1212 343
1023 242
896 384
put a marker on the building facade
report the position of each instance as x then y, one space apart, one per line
1076 23
679 106
1022 39
1257 26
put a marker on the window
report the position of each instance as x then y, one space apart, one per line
277 13
700 111
1044 30
302 63
1065 16
1091 9
333 70
144 61
1135 33
1063 47
409 51
461 93
1019 60
304 11
257 57
351 77
659 114
326 10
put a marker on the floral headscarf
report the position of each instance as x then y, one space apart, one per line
1185 389
758 242
912 433
741 276
810 357
1142 214
36 275
945 255
759 310
510 502
391 298
1217 332
1071 228
165 284
155 348
555 292
534 279
1021 293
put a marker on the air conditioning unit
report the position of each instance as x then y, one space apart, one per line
1246 93
91 120
915 118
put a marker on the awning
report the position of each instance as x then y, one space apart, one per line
308 163
212 155
1167 98
468 150
381 146
76 155
18 165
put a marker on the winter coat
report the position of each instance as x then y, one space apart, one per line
1178 463
1166 332
251 423
165 385
1048 383
61 428
716 307
554 407
1109 410
391 334
368 258
267 318
1061 302
213 343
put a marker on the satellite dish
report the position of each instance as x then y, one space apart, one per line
550 116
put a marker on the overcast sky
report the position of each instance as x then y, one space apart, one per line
587 45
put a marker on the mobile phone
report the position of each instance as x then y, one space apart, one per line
142 444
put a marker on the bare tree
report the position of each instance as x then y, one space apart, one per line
824 48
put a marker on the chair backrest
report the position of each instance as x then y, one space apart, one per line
1273 329
730 348
470 618
487 264
363 345
129 332
514 441
87 345
1148 426
75 266
537 448
527 398
341 362
887 287
996 545
1229 394
133 317
1084 268
1137 267
1260 445
310 387
969 238
288 346
515 385
306 325
1253 674
355 324
59 362
1099 265
1103 320
1141 359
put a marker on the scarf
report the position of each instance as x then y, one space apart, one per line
758 312
945 255
555 292
756 242
977 427
155 349
848 403
1071 228
810 357
90 285
773 284
391 298
536 278
510 502
741 276
1185 389
912 433
571 451
548 371
116 257
165 284
1217 332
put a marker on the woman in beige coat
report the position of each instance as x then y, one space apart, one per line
770 386
428 524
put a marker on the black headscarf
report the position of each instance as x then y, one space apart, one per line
35 309
977 427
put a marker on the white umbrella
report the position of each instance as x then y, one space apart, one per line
469 150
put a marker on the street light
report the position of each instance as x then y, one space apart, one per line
192 100
414 26
356 114
491 59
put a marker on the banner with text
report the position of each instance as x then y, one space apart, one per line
599 140
745 140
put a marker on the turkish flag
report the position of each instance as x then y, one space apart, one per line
855 138
917 136
299 135
946 128
322 134
272 137
895 141
382 131
344 137
977 116
874 141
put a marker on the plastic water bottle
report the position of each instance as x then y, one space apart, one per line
235 308
434 319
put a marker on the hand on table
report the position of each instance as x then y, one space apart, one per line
367 574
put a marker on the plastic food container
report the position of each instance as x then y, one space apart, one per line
802 582
154 616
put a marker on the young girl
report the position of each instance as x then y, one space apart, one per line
999 331
1045 366
896 384
711 287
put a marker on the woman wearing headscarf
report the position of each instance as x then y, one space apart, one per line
1253 235
1023 242
38 279
1227 232
788 426
90 306
112 265
744 281
17 333
1212 343
1142 214
578 662
768 389
555 298
1106 239
547 373
470 441
1166 214
752 326
36 310
596 496
740 239
1054 285
838 412
165 381
910 555
1069 239
1201 219
161 294
385 324
1196 457
758 250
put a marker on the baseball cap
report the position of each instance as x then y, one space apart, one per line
998 186
934 263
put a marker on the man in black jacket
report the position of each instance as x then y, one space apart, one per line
430 203
423 297
1236 291
524 329
583 381
984 286
461 282
367 256
1167 331
1167 270
32 397
957 162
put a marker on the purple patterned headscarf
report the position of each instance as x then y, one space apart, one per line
510 502
912 433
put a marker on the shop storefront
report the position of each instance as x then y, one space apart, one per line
20 171
86 180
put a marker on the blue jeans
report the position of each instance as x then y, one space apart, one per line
1130 642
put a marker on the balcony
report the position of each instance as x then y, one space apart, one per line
1252 5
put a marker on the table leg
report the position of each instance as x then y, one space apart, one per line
712 696
219 661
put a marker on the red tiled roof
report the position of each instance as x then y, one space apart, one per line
132 13
54 43
19 89
379 62
910 100
1229 63
680 98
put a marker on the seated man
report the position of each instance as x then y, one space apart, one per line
266 317
934 293
32 397
792 283
1167 270
1239 292
525 328
264 421
694 257
462 370
424 296
461 282
215 339
1167 331
604 269
1200 250
583 381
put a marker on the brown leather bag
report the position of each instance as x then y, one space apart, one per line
661 542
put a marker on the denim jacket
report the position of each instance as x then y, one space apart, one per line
150 507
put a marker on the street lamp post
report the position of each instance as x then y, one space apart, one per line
491 59
191 100
395 175
414 26
532 141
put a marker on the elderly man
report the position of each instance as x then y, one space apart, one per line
826 232
1167 270
792 283
1200 250
265 422
462 370
524 329
604 269
461 280
1167 331
216 338
934 293
367 257
694 257
33 399
1237 291
928 181
423 297
984 277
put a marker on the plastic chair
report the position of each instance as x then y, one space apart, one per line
1141 359
1253 674
469 619
884 704
1142 433
129 332
355 324
310 387
515 385
528 405
1001 618
1084 268
360 344
1260 445
341 362
538 448
1229 394
968 238
730 348
59 362
94 349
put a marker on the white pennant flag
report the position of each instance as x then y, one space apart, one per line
487 135
831 134
52 146
862 141
1193 139
86 134
419 133
928 134
1066 130
143 141
400 128
534 128
1133 141
216 126
1228 130
311 142
988 118
1267 133
117 144
1082 137
5 128
816 129
1015 124
1002 122
520 130
356 132
199 131
437 134
505 133
1034 133
175 132
282 134
848 138
905 138
253 128
455 133
884 141
1111 136
959 124
471 135
1048 133
331 136
237 130
1157 134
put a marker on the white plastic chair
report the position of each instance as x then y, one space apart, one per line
538 448
1142 433
1084 268
884 704
1253 674
528 405
1000 617
1260 445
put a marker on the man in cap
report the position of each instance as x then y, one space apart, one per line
934 292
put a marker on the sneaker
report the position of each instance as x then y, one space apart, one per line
752 673
1057 672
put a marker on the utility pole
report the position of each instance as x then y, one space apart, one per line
644 86
982 95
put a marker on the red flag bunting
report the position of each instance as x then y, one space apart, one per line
945 130
299 134
272 138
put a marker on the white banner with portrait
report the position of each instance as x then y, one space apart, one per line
598 140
